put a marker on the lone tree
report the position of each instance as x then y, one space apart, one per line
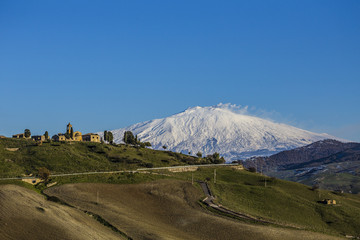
164 147
199 154
129 138
105 135
71 132
27 133
110 137
44 173
46 134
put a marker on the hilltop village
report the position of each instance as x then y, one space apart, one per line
70 135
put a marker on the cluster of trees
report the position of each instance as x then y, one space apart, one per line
215 158
108 136
129 138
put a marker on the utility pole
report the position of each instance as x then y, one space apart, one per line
265 181
214 176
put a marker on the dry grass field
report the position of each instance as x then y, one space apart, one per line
25 214
165 209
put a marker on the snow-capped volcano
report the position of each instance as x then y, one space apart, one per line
219 129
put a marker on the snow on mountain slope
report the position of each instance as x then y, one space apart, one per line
219 129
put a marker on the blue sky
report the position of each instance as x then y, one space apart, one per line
108 64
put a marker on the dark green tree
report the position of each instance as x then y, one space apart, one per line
110 137
71 132
105 135
164 147
199 154
125 139
46 134
27 133
129 138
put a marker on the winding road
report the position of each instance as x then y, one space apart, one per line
209 200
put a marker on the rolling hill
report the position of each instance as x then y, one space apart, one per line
20 156
159 204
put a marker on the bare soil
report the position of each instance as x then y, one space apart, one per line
25 214
165 209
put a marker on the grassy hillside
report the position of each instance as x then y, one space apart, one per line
286 203
165 209
27 215
19 156
281 201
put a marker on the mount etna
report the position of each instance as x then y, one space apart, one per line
221 129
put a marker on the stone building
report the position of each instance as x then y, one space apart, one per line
91 137
329 201
39 138
59 137
20 135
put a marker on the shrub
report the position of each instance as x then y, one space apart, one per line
315 187
44 173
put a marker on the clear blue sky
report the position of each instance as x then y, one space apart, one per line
108 64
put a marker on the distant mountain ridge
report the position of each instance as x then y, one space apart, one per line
297 156
349 154
220 129
329 164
